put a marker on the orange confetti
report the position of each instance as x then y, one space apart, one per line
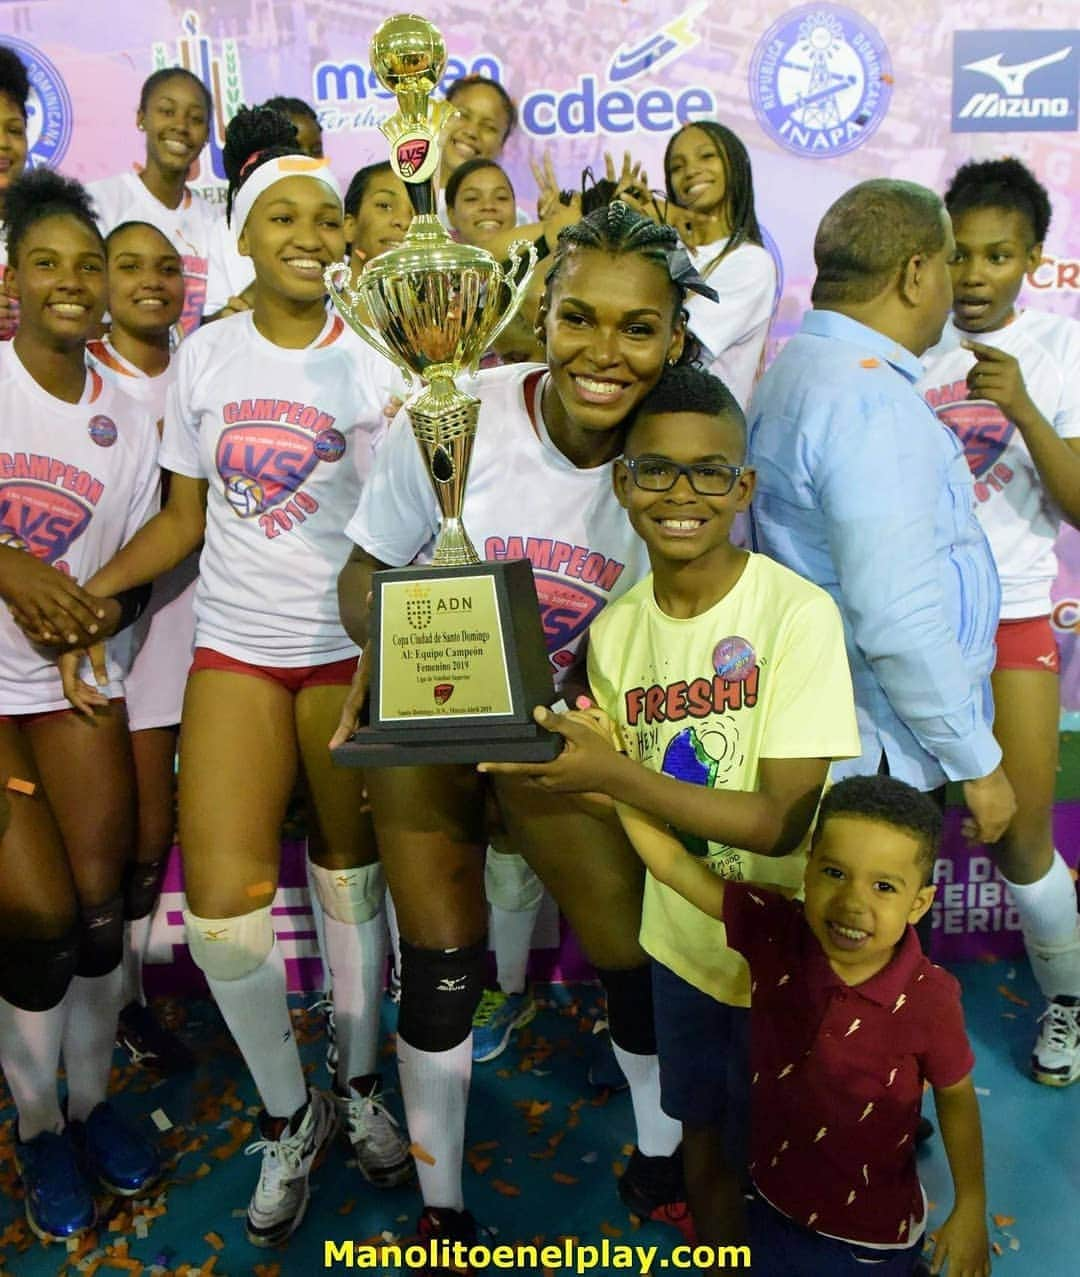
208 1266
996 1248
481 1165
18 786
486 1147
347 1207
561 1177
421 1154
267 1270
215 1240
617 1169
609 1230
887 79
869 362
1009 996
507 1190
627 1150
1004 1221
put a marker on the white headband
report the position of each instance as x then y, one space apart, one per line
276 170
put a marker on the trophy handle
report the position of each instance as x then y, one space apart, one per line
519 249
343 304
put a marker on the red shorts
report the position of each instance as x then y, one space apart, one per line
36 716
293 679
1027 644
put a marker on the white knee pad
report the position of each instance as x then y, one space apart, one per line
230 948
510 884
350 895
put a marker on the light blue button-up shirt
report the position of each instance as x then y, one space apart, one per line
863 491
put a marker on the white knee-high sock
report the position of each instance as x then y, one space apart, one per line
93 1004
394 933
1051 928
318 915
657 1134
256 1009
136 939
356 956
435 1088
511 935
29 1057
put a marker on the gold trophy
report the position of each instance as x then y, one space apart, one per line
459 657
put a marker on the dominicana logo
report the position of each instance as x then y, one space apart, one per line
820 80
48 111
219 72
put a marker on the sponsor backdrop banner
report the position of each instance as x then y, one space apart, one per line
823 95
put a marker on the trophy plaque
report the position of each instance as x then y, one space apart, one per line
458 653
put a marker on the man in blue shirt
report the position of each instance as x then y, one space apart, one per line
862 490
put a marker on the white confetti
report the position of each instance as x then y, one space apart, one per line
982 1090
161 1120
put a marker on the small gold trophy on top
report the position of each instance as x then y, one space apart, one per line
459 659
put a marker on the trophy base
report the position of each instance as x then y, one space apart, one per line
458 667
369 747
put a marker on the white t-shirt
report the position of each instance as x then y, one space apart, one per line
733 330
230 273
523 499
285 439
1019 518
124 198
161 640
77 481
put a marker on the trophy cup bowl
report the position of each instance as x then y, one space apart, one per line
459 659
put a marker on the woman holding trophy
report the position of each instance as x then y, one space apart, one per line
268 432
611 318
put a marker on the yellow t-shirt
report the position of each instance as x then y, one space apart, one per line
761 674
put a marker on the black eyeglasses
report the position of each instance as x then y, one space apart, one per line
661 474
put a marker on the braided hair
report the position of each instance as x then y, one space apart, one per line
1005 184
617 229
41 194
14 81
255 135
738 187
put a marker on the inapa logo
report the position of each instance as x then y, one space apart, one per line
820 80
1015 81
48 111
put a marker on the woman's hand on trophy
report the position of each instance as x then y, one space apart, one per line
354 702
392 407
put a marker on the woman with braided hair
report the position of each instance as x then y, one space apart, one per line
611 318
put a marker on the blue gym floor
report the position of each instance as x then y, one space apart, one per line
544 1151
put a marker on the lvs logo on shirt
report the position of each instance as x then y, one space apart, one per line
1015 81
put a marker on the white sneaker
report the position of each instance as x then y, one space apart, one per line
1055 1059
379 1145
288 1157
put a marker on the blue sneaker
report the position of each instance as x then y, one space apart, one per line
123 1160
497 1016
59 1203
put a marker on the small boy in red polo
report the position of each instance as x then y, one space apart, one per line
848 1018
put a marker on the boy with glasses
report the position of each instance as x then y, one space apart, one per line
726 678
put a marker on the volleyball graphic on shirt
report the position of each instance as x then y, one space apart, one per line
567 609
982 428
42 519
263 465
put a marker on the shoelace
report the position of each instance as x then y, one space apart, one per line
282 1155
491 1000
1063 1026
360 1111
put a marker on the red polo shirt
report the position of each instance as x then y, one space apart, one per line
838 1072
